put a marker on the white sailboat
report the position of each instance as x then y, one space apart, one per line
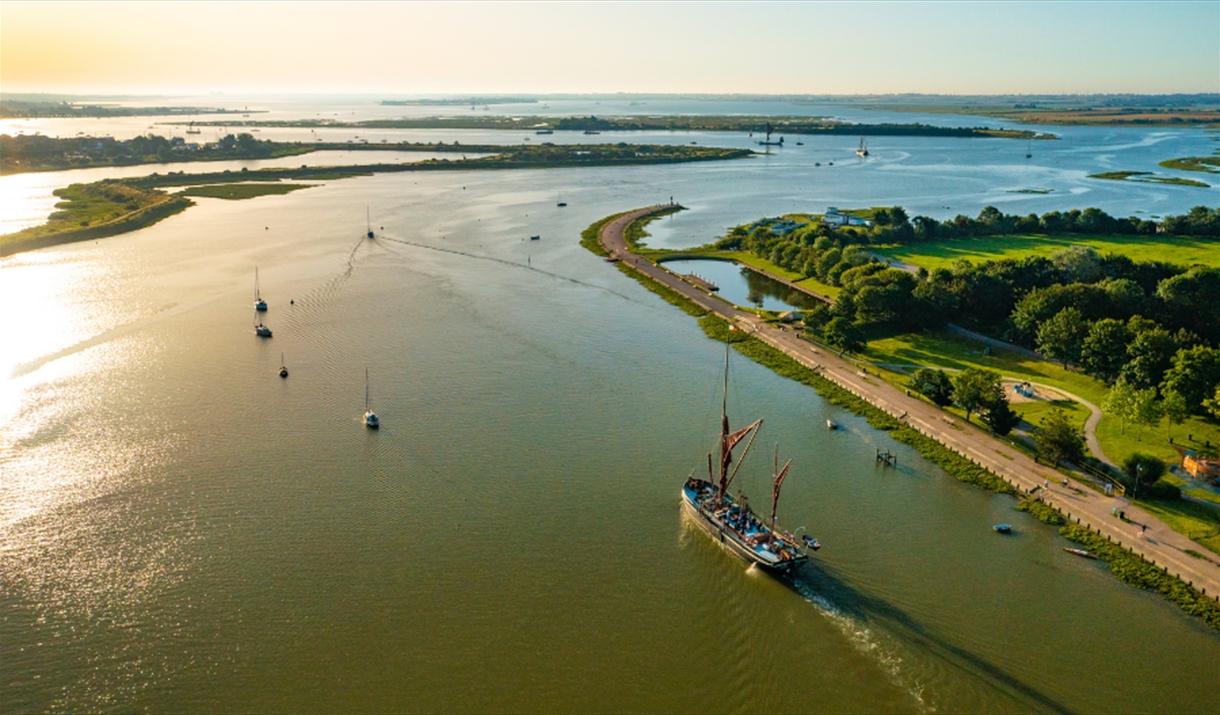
369 222
370 419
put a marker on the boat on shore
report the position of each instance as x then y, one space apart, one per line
731 521
1080 552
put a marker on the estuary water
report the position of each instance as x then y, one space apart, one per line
181 529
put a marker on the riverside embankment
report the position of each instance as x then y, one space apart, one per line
1140 533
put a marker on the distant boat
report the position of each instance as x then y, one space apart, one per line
1080 552
800 143
535 238
1029 150
545 131
369 221
863 150
1003 528
261 330
561 204
767 141
259 304
832 425
192 130
283 369
370 419
591 131
817 163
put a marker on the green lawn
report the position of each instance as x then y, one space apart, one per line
1033 412
1197 522
1183 250
241 191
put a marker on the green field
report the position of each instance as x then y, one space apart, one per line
1183 250
241 191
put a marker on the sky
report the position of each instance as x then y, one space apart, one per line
593 47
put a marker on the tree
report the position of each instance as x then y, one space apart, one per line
997 414
1212 404
1062 337
972 388
1194 374
1175 408
843 335
934 385
1149 355
1058 439
1104 350
1118 401
1144 470
1145 409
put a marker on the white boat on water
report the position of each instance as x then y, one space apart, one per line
370 419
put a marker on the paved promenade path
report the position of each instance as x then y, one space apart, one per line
1158 543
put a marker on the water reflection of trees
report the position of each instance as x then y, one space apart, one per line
760 287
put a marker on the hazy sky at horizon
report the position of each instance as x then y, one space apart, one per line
428 48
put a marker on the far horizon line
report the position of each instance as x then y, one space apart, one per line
490 94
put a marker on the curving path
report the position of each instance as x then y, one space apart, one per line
1158 543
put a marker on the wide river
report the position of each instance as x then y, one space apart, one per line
182 530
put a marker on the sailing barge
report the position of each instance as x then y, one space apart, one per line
733 523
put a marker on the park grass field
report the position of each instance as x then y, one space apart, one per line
1183 250
943 349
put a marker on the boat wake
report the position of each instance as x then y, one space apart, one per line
506 262
866 641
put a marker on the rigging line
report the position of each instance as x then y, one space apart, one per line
514 264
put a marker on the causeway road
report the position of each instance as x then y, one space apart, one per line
1140 532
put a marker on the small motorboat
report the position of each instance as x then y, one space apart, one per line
535 238
1003 528
817 163
1080 552
832 425
800 143
810 542
561 204
283 368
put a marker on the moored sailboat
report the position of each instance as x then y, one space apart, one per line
863 150
370 419
259 304
731 521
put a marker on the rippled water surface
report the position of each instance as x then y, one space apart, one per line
182 530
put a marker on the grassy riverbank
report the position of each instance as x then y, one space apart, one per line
91 211
1147 177
126 204
1205 164
242 191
